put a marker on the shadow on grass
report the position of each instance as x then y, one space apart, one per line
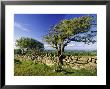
17 61
64 71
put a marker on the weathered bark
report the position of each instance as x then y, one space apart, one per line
60 54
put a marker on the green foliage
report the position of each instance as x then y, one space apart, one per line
29 43
28 68
74 53
64 32
17 51
17 61
34 53
81 53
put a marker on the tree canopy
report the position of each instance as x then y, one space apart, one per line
75 29
29 43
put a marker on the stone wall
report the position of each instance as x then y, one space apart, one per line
75 62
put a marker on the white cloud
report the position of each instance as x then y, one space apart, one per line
75 46
48 47
20 26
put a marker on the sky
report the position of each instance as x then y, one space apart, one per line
37 25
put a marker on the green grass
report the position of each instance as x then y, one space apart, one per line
28 68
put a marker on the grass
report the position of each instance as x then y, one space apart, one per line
28 68
75 52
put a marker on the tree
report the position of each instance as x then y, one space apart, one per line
29 44
75 29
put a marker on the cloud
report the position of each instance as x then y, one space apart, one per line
48 47
21 26
75 46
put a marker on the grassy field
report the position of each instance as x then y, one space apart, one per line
75 52
28 68
31 68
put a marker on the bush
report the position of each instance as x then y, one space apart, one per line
17 61
17 51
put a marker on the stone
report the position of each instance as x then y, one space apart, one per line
49 62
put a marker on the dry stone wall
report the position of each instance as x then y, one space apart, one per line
75 62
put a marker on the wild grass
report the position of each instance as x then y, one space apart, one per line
28 68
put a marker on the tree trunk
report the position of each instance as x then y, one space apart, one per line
60 54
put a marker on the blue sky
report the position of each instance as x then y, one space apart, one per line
37 25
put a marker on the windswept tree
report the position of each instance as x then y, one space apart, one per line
75 29
29 44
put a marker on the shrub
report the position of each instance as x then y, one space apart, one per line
17 51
